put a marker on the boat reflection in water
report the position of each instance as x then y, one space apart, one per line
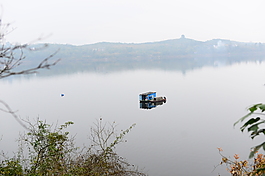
149 100
150 105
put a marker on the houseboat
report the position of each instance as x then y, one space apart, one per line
151 97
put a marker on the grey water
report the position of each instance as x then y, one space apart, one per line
179 137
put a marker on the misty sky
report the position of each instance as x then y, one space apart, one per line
133 21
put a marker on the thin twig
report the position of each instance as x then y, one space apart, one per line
13 113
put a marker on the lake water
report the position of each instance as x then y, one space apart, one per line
178 138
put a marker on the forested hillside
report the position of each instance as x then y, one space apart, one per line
176 54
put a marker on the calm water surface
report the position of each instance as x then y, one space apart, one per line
178 138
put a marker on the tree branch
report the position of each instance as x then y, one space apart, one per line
10 111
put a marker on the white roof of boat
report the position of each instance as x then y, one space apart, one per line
147 93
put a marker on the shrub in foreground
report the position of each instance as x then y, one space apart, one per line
45 150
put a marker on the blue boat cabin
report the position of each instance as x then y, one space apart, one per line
147 96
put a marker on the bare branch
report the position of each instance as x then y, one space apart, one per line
11 56
9 62
13 113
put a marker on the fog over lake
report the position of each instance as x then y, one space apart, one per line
179 137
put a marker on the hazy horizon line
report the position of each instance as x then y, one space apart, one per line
157 41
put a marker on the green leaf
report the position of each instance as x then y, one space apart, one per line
243 118
253 128
249 122
262 107
254 107
256 148
256 133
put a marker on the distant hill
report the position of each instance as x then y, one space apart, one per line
182 53
182 47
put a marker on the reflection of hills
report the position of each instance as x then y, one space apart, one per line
178 54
